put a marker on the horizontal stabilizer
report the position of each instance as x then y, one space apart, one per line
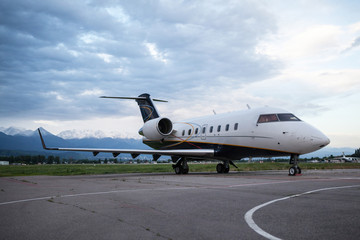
135 98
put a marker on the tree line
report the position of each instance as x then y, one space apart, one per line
31 159
41 159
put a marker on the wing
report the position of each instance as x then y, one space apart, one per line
202 153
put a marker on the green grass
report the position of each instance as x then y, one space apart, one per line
84 169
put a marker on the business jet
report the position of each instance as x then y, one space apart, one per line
348 159
262 132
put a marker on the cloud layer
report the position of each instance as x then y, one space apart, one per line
57 57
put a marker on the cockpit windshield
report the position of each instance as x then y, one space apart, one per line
287 117
283 117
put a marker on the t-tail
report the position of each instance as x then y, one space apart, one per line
146 105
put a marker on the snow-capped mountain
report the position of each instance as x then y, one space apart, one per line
87 133
31 144
12 131
68 134
79 134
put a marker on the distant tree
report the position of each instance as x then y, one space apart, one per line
357 153
41 158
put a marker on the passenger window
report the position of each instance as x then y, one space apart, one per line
204 130
236 126
267 118
219 128
189 132
211 129
196 130
183 133
227 127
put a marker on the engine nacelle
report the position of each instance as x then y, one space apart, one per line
157 129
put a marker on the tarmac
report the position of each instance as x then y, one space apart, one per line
319 204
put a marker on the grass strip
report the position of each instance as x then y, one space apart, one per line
94 169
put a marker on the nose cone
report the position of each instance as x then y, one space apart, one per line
310 139
325 141
320 140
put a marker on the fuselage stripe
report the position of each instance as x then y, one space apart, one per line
225 144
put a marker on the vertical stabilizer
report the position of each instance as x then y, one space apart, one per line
146 105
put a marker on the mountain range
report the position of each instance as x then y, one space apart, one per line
16 141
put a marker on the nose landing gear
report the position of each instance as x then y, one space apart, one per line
294 169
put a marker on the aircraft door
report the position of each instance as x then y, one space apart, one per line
203 131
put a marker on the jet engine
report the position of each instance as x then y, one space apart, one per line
157 129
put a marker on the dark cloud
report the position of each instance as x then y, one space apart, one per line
353 45
53 51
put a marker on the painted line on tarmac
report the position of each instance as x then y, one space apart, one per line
136 190
249 214
93 193
143 189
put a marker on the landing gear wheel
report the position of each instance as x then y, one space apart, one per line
226 169
178 169
220 168
185 170
181 166
292 171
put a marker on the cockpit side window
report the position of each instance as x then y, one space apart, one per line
287 117
268 118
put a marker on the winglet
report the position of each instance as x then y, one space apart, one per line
43 142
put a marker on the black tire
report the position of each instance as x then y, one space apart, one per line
292 171
226 169
185 170
298 170
178 169
220 168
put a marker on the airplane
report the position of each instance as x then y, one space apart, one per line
348 159
260 132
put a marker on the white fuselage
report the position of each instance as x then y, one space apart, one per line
241 131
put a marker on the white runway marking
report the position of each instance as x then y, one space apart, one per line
87 194
146 189
248 216
135 190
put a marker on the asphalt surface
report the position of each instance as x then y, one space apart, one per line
193 206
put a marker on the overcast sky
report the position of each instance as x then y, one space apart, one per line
58 57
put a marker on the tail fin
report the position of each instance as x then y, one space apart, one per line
146 105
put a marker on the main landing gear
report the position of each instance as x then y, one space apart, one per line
181 166
294 169
223 167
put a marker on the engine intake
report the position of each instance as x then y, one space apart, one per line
157 129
